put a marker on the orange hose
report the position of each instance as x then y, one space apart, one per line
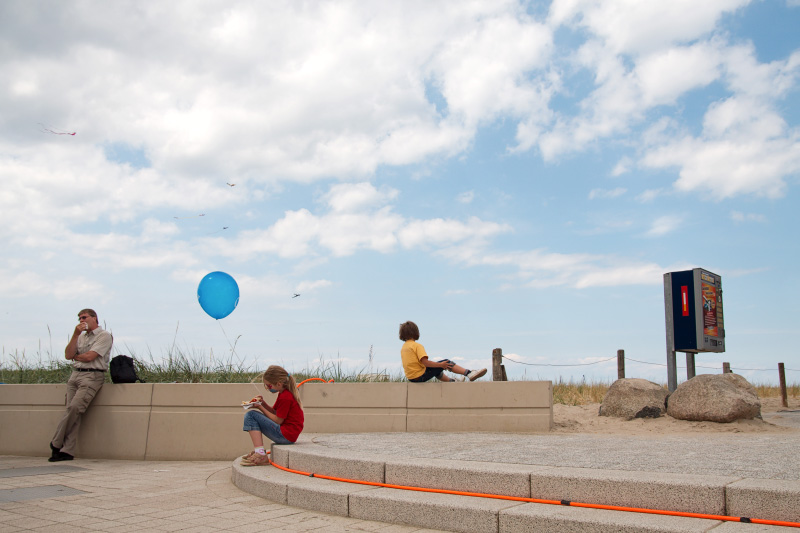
549 502
313 379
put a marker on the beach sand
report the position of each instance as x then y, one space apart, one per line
585 419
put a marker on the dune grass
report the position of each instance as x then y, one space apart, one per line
180 366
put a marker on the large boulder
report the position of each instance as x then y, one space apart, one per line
634 398
714 398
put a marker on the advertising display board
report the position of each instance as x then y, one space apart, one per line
694 318
697 323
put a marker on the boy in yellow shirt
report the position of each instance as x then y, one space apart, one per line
418 368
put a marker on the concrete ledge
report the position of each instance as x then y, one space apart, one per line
531 517
263 481
664 491
512 406
298 491
435 511
334 463
770 499
488 478
189 421
373 407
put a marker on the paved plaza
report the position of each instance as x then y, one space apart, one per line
121 496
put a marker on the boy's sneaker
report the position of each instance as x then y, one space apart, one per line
475 374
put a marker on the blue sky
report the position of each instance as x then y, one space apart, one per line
506 174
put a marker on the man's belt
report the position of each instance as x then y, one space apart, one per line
88 370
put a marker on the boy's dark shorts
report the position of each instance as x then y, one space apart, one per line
430 373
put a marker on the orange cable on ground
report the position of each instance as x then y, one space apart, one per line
568 503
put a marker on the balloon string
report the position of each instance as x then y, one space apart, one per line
233 349
233 352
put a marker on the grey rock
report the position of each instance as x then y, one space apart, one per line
634 398
714 398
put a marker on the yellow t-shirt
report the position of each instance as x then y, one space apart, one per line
411 353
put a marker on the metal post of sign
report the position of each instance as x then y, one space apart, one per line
690 373
672 367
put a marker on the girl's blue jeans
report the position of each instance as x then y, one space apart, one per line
257 421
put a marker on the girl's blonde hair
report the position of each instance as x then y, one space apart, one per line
276 375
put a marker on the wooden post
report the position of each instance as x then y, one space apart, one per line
503 371
497 363
726 368
620 364
782 377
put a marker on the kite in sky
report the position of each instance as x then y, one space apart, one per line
295 295
232 184
45 129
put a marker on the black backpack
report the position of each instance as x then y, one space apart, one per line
123 371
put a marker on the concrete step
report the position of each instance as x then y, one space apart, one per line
698 494
448 512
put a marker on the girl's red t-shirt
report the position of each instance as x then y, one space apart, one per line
286 407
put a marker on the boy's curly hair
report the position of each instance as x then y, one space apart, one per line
409 331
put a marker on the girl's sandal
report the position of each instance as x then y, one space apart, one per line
256 460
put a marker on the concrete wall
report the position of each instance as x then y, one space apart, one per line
204 421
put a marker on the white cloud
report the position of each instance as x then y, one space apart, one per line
358 196
738 216
667 74
632 27
439 232
456 292
620 275
664 225
501 49
465 197
313 285
623 166
271 86
607 193
746 148
645 56
539 268
357 220
18 284
649 195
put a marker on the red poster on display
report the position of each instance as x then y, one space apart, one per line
684 300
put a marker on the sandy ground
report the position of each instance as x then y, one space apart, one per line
585 419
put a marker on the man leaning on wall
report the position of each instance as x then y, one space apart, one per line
89 350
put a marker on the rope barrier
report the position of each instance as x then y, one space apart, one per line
743 519
545 364
645 363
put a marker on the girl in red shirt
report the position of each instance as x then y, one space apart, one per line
281 423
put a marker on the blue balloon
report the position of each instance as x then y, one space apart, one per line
218 294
